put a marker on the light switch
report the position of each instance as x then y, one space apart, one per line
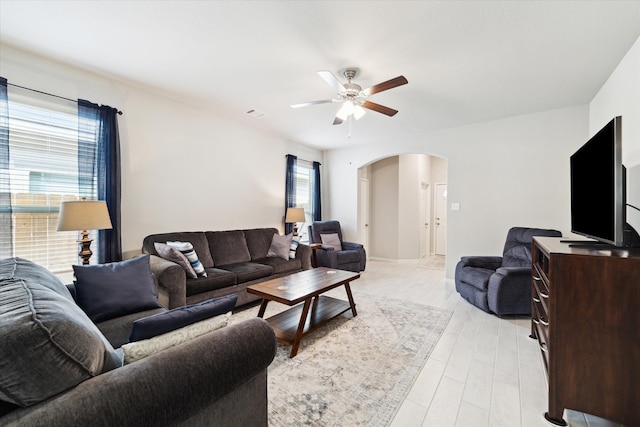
455 206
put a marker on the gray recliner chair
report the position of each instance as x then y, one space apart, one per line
501 285
352 257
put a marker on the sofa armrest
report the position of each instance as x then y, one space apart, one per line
177 386
488 262
171 280
303 253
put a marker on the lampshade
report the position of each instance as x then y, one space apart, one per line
83 215
294 215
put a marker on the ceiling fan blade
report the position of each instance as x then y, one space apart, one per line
306 104
328 77
337 121
389 84
379 108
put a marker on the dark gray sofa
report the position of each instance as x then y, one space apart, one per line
233 260
219 378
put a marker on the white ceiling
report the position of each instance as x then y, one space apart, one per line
466 61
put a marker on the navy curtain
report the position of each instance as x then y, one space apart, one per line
6 231
102 161
316 206
290 190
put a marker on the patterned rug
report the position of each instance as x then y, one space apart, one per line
352 371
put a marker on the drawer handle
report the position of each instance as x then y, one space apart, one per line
536 278
535 299
534 320
544 322
543 295
543 347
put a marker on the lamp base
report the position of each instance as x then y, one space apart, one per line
85 248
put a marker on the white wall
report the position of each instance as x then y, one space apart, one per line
183 168
511 172
383 224
620 96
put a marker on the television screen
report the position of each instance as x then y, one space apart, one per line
597 187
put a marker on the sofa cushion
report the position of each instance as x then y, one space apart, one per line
280 265
280 246
105 291
172 254
196 238
140 349
259 241
228 247
248 271
216 279
161 323
48 343
33 273
331 239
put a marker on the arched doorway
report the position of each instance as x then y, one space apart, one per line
396 216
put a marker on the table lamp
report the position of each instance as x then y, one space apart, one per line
83 215
295 215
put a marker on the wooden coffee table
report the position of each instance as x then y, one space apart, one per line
306 286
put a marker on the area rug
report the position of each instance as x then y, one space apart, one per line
352 371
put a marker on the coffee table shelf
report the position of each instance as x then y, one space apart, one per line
285 324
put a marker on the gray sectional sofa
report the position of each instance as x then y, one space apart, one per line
58 368
232 259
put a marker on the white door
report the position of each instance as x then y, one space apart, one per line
363 220
425 229
441 219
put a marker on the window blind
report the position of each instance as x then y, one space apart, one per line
43 171
304 187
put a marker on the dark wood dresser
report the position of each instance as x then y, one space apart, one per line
585 314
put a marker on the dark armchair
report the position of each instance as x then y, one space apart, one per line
351 257
501 285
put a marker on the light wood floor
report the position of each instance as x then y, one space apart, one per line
484 371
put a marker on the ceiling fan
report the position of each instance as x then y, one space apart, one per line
354 97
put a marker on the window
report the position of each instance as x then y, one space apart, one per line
42 172
303 186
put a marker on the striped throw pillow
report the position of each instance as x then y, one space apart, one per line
187 250
294 246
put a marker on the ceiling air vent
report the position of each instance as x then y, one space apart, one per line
255 113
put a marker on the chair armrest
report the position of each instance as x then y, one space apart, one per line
515 272
327 248
488 262
509 291
171 282
303 253
172 387
351 245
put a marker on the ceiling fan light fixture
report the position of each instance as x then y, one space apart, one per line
345 110
358 111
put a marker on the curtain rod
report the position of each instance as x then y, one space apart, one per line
304 160
48 94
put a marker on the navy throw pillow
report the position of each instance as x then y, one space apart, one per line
161 323
106 291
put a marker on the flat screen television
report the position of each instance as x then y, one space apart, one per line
598 189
